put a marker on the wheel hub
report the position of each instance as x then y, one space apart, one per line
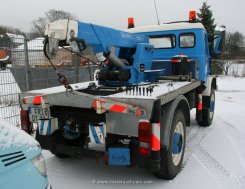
177 143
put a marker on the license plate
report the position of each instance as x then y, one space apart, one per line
38 113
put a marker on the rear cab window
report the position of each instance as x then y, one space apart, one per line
163 41
187 40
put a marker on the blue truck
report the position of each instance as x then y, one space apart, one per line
138 106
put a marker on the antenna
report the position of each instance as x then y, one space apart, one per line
158 22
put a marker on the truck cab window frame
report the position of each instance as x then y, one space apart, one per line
163 41
187 40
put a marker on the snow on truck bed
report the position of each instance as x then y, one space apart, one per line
160 88
214 158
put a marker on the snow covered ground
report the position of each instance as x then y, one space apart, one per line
9 95
215 156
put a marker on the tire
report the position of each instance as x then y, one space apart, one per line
208 111
172 158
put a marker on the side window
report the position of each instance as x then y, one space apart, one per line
163 41
187 40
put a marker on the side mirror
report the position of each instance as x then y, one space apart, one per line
77 45
217 44
50 48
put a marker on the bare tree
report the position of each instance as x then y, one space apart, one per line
243 73
235 70
8 29
38 25
234 41
226 66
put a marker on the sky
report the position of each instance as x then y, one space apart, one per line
114 13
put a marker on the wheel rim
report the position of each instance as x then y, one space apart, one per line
178 143
212 105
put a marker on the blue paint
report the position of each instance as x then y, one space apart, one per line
119 156
42 124
200 52
177 143
29 109
135 48
103 38
212 106
49 127
96 138
217 42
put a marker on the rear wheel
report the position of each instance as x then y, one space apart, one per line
172 158
208 111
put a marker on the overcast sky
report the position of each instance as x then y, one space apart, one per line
114 13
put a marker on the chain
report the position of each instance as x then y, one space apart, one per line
61 78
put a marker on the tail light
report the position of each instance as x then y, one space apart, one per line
144 137
25 121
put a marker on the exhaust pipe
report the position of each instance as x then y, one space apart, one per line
114 60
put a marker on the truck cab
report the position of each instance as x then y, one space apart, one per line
184 38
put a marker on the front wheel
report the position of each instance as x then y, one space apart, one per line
172 158
208 111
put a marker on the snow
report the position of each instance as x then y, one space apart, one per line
166 27
35 44
16 38
214 158
8 88
9 99
11 136
237 69
59 89
161 88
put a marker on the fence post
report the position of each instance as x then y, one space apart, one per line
76 63
27 71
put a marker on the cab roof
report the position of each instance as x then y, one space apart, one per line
166 27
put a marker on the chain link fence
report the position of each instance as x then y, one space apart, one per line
24 67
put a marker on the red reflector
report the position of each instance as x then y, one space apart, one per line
144 151
175 60
37 100
199 105
144 135
25 122
117 108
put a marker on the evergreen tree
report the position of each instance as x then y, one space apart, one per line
206 18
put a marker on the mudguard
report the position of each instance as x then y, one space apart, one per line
167 115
